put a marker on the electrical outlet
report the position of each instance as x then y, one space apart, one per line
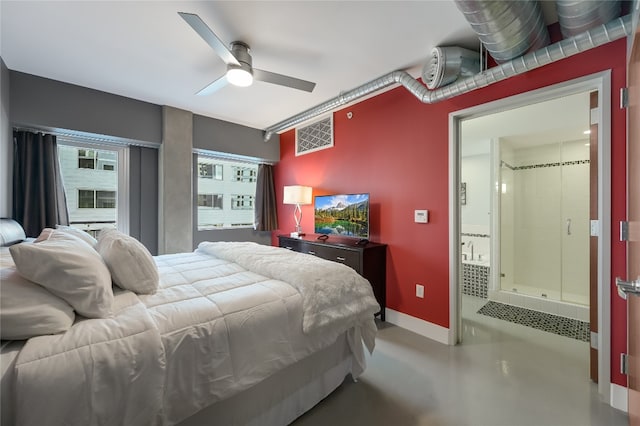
420 291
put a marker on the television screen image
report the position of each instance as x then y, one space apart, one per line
345 215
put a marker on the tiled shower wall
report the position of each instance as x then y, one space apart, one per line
545 220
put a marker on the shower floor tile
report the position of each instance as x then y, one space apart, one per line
567 327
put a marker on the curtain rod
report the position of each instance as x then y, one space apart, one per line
94 138
233 157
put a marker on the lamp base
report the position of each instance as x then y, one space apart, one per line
297 234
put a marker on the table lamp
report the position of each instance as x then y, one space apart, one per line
298 195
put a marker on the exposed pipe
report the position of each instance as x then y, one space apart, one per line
576 16
507 29
447 64
603 34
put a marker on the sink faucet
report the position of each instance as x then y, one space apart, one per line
470 245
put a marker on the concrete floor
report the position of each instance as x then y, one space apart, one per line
502 374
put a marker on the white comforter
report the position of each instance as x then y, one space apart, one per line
214 329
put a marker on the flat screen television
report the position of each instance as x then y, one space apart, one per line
345 215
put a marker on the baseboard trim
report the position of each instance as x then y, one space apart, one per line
418 326
619 395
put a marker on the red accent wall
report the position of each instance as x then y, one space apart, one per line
396 148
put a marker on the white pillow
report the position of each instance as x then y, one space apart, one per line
84 236
70 269
28 310
131 265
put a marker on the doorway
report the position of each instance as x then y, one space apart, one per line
537 213
499 150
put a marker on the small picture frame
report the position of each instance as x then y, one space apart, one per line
463 193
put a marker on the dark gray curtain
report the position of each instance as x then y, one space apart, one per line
38 194
266 214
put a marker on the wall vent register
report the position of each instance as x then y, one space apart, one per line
315 136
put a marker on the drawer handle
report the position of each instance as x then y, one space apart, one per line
340 258
311 252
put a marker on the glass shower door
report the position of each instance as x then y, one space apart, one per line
575 211
531 196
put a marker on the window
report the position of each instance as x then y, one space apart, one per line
245 174
94 177
107 160
86 199
86 159
213 201
242 202
97 160
226 192
210 171
93 199
105 199
205 170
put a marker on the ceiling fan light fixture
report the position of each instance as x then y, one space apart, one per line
239 76
240 71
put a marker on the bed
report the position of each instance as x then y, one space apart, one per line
233 334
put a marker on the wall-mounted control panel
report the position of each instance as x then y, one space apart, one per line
421 216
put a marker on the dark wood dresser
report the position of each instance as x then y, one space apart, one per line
369 260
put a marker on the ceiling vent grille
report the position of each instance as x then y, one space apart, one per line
315 136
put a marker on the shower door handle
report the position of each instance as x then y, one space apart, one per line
568 226
628 287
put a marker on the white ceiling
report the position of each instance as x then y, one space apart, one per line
562 119
144 50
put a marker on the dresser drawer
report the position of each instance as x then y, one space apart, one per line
348 257
368 260
291 244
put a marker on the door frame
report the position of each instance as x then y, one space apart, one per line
602 83
633 218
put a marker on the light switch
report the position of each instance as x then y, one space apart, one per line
421 216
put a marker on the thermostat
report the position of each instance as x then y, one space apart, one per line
421 216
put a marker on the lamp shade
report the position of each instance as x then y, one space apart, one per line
297 194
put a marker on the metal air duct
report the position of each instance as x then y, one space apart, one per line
507 29
598 36
579 16
447 64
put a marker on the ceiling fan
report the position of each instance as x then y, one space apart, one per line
240 71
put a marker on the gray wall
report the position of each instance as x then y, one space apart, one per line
222 136
37 101
143 196
175 208
6 144
245 234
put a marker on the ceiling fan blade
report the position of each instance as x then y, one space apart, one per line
210 37
213 86
283 80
